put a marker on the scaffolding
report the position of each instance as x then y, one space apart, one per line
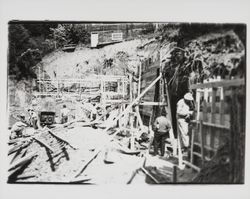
109 88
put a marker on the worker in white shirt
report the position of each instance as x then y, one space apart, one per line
184 113
161 128
18 128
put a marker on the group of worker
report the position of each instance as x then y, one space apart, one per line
90 112
162 125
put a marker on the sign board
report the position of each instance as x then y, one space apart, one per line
117 36
94 39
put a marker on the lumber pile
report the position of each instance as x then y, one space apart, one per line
40 152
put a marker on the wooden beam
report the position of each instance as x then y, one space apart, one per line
133 103
202 142
133 176
62 140
213 125
20 146
149 175
206 147
87 163
174 174
224 83
192 147
44 144
191 165
22 161
199 155
180 155
152 104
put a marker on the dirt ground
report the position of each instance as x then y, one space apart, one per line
109 166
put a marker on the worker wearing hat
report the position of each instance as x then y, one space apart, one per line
184 112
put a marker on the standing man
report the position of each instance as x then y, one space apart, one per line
33 120
184 113
64 114
161 128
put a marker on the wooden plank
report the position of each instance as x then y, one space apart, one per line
133 176
149 175
221 112
175 174
139 120
22 161
226 127
198 96
44 144
206 147
200 156
87 163
180 155
192 147
204 111
191 165
224 83
213 104
213 111
152 104
202 142
60 139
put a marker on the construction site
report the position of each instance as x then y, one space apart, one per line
92 112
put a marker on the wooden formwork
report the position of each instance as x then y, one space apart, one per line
150 70
212 125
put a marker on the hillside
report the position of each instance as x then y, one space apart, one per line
86 61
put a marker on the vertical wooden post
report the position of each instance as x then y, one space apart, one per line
123 89
139 82
174 174
198 95
204 111
221 112
139 120
167 99
139 117
131 88
102 91
180 155
202 142
57 87
213 119
192 146
132 130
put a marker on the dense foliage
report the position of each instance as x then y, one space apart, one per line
28 43
196 52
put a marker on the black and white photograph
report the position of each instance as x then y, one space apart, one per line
126 102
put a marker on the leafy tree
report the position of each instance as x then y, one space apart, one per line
81 34
70 33
59 35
